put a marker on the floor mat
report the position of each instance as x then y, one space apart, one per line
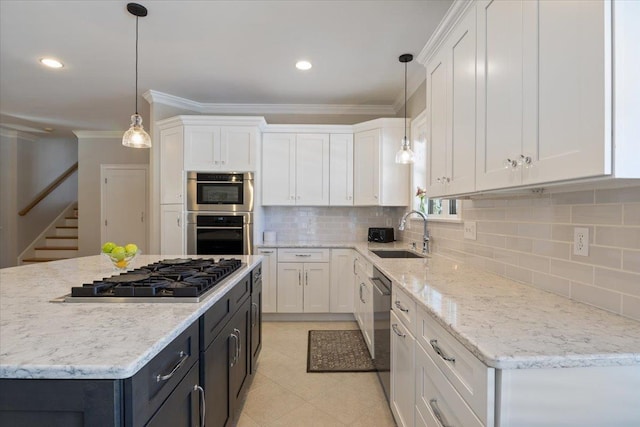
338 351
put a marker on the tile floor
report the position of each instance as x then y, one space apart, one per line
284 394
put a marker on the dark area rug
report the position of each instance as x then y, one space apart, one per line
338 351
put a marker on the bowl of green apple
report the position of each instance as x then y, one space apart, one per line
120 256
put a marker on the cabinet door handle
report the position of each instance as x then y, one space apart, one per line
354 267
203 403
399 305
178 221
183 358
235 353
266 252
433 403
239 347
397 331
303 255
299 278
441 353
223 162
254 318
306 278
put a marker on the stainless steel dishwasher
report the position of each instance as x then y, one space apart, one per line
382 328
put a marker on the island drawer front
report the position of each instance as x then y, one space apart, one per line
471 378
150 387
219 314
404 307
436 397
303 255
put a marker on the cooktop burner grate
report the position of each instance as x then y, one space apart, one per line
173 278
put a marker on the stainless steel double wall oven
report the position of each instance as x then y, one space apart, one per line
220 213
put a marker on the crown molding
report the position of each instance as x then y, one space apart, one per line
380 123
93 134
457 9
257 121
276 128
153 96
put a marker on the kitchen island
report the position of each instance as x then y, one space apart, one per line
101 347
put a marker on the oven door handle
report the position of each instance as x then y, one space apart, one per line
217 182
218 228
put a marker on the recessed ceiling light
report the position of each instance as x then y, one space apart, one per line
51 63
303 65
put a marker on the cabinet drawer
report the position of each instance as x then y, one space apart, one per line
471 378
437 402
156 380
182 407
219 314
303 255
404 307
360 262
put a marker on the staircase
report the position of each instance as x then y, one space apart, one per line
59 242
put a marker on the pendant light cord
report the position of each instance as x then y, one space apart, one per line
405 101
136 94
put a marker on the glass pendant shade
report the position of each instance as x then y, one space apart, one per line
136 137
404 155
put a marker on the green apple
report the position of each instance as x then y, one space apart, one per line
108 247
131 248
118 253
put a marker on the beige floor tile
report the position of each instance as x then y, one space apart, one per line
283 393
307 415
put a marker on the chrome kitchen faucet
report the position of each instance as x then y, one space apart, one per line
425 235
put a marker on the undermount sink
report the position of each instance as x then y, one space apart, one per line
386 253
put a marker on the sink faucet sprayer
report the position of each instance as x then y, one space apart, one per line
425 235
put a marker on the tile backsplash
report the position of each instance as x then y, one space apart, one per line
328 224
530 240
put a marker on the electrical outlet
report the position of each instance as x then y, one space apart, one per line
470 230
581 241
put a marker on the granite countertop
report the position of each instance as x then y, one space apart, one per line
507 325
42 339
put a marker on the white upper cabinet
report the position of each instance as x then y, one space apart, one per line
295 169
171 179
545 77
377 179
341 170
220 148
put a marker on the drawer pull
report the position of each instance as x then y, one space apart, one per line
183 358
235 353
266 252
436 347
397 331
399 305
203 404
239 347
436 411
255 317
303 255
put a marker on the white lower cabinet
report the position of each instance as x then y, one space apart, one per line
402 373
269 279
342 279
172 240
303 287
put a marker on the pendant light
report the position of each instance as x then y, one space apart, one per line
136 137
404 154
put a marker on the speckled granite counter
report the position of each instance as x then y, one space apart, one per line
41 339
505 324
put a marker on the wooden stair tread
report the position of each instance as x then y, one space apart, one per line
41 259
70 217
62 237
67 226
60 248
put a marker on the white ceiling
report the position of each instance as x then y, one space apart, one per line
205 51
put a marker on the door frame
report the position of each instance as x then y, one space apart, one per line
104 168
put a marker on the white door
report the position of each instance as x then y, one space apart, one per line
402 373
202 148
278 169
124 204
269 280
437 118
366 168
341 170
238 148
172 240
171 165
316 287
312 169
342 281
290 284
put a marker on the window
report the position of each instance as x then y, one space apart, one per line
444 209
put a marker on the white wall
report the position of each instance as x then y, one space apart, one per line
8 198
95 149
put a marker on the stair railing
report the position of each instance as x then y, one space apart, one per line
44 193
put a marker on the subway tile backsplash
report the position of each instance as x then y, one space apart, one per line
530 239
